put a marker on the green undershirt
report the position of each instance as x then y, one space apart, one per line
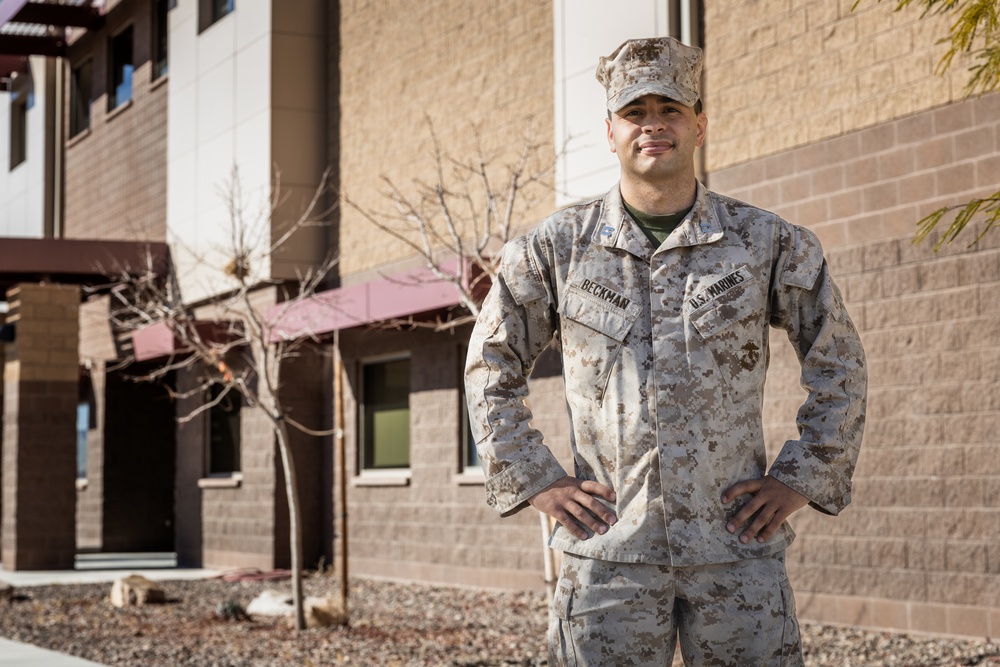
656 227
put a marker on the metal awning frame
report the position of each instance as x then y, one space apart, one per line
39 28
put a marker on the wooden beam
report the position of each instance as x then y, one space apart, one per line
23 45
77 16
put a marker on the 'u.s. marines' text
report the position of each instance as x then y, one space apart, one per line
720 286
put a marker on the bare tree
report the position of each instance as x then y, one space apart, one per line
231 343
458 220
457 223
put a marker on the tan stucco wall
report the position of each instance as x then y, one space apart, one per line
783 74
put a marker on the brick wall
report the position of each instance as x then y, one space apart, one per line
39 451
917 548
463 64
781 74
438 526
876 183
116 171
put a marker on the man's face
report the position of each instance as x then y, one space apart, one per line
655 137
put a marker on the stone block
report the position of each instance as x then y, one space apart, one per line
136 591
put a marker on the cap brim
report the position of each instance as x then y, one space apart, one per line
626 95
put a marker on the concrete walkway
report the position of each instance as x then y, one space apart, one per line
15 654
90 569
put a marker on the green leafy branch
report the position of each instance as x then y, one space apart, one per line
975 30
989 207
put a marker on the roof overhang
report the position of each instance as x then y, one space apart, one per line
39 28
392 297
158 340
81 262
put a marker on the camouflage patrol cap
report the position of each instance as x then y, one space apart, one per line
653 66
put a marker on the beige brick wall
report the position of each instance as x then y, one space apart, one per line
876 183
461 63
438 527
916 550
116 171
782 74
39 401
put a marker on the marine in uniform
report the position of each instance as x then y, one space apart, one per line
660 295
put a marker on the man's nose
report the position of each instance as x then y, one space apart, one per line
654 123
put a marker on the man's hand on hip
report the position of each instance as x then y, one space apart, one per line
772 502
575 504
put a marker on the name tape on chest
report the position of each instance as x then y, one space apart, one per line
720 287
605 293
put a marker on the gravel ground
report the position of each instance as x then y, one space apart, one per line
392 624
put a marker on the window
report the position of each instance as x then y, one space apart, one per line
210 11
160 38
19 103
86 420
470 455
122 68
80 91
385 424
224 432
82 426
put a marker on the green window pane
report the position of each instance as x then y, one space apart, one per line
387 414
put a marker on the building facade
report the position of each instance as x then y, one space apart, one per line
831 115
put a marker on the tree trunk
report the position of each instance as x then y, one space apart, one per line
294 527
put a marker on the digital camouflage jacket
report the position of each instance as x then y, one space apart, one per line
664 355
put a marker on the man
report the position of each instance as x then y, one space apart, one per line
660 295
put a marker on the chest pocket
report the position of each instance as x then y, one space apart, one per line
592 333
734 328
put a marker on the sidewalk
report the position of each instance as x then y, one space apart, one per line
14 654
90 569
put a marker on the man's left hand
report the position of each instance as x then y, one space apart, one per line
772 503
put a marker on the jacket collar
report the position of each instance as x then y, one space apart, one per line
617 229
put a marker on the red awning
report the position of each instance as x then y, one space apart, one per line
391 297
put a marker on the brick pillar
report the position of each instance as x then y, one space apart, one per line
41 375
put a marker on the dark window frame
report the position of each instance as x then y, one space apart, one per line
20 101
160 39
79 114
468 456
211 12
224 433
121 74
370 407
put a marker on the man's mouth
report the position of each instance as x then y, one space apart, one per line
655 147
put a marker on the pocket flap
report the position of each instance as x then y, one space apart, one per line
737 306
598 315
562 600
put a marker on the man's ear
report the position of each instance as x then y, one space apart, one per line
611 135
702 128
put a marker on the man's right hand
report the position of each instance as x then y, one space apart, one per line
574 504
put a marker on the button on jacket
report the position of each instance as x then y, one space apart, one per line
664 356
